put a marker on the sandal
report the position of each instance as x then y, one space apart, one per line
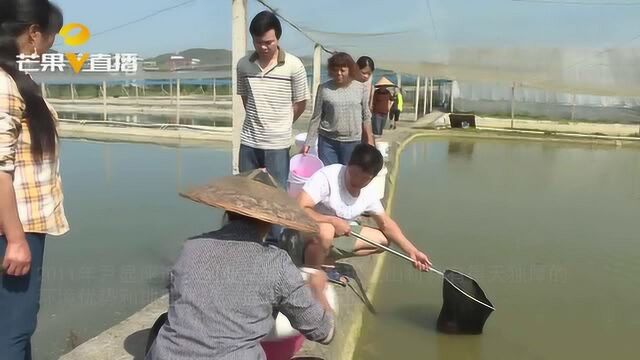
334 276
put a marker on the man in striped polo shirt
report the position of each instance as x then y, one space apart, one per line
274 91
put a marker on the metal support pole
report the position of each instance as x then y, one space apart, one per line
170 91
416 102
104 100
430 95
239 49
426 87
215 95
317 67
178 101
513 105
451 99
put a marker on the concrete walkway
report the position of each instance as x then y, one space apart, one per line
124 341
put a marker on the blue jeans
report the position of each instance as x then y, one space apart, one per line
377 123
335 152
275 161
20 302
277 164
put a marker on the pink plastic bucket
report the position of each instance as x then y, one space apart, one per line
304 166
282 349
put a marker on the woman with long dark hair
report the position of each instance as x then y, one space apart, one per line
30 188
366 67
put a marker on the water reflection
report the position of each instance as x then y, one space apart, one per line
421 316
458 347
461 149
535 218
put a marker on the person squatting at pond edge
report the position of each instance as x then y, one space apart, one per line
335 197
227 283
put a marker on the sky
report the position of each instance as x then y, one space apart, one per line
421 28
200 23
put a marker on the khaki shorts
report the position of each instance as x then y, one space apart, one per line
344 246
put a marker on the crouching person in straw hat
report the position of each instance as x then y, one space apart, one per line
226 284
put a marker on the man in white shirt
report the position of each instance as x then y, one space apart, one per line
335 196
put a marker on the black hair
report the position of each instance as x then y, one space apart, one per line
365 61
16 16
263 22
368 158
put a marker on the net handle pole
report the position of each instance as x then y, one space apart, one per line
394 252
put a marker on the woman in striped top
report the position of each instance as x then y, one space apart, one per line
30 188
341 114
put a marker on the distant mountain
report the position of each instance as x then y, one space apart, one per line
207 57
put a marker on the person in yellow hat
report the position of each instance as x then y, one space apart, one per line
226 284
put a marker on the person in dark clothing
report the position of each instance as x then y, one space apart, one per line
381 105
227 283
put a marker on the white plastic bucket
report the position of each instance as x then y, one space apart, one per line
283 328
300 141
383 147
295 188
379 183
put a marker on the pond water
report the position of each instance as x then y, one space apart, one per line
551 233
127 226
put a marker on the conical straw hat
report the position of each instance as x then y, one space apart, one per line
254 194
384 82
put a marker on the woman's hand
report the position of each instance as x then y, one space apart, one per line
318 284
17 257
318 281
